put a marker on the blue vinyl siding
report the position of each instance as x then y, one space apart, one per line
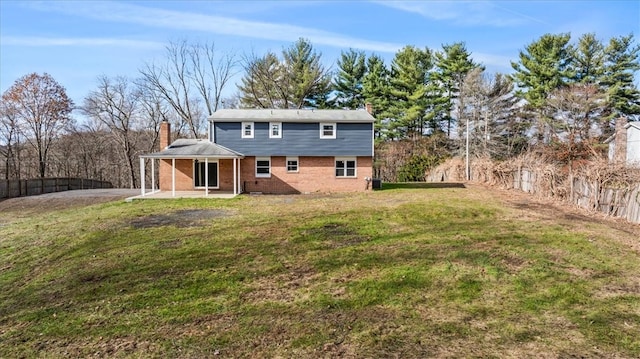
298 139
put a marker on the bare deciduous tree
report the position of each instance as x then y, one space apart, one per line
9 142
41 109
192 77
577 113
116 104
491 110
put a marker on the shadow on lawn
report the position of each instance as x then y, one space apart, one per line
401 185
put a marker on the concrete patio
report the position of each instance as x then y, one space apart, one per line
182 194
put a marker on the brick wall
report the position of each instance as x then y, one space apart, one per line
184 175
315 174
225 175
620 141
165 134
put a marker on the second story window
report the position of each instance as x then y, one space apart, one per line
275 130
247 130
327 130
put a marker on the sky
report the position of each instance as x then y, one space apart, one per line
78 41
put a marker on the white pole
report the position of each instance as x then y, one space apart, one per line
206 177
235 177
467 171
142 175
153 175
173 177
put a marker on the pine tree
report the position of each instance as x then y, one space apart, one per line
544 66
306 75
262 84
621 64
587 60
298 80
453 64
348 82
408 89
375 90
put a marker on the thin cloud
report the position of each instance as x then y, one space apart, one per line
169 19
497 62
70 41
465 13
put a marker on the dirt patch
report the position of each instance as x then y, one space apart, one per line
183 218
336 235
22 207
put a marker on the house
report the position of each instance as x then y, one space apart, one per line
624 145
277 151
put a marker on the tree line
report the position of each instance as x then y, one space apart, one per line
561 98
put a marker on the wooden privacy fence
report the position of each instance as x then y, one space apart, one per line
621 201
32 187
617 200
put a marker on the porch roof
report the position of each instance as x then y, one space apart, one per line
194 148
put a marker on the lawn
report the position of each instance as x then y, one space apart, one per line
407 271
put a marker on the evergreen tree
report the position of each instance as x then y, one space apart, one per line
587 65
305 74
408 89
262 84
453 64
375 90
586 88
621 64
348 82
544 66
298 80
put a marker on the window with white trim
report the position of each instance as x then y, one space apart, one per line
247 130
345 167
275 129
292 164
263 167
327 130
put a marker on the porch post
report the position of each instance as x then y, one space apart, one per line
153 175
235 175
142 175
239 176
173 177
206 176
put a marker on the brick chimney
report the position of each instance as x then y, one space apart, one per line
165 134
620 141
369 107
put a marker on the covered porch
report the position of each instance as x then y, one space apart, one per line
192 168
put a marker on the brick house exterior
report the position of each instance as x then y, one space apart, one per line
271 151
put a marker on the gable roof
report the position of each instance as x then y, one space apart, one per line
192 148
291 115
634 124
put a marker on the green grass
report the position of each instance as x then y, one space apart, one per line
409 271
